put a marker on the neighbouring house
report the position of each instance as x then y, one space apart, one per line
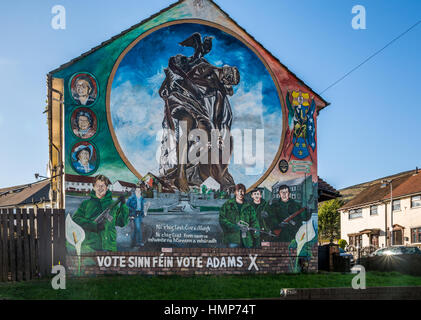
211 184
27 196
78 183
122 186
85 184
302 190
157 184
349 193
388 207
326 191
295 187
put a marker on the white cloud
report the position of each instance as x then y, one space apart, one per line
249 112
156 80
247 106
137 116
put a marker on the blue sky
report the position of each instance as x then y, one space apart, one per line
370 129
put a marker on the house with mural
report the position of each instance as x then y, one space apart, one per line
176 101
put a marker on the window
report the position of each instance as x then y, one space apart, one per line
355 240
416 235
397 237
396 205
359 241
355 213
410 250
373 210
374 240
415 201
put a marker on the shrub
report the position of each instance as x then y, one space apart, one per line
342 243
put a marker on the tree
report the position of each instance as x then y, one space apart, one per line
204 189
342 243
329 219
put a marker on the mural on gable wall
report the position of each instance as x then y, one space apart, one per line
215 152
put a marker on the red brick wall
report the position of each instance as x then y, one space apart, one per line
273 259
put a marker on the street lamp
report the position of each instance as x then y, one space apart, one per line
37 176
384 184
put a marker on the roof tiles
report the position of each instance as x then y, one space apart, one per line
404 185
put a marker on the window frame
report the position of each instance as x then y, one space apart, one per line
412 201
393 205
355 213
376 242
417 235
377 210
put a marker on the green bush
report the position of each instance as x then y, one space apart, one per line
342 243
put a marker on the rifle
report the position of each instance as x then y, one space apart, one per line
245 227
288 220
106 213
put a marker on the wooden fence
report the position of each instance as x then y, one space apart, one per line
31 242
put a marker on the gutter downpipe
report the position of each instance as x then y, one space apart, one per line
50 133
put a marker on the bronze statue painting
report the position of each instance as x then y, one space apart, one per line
195 93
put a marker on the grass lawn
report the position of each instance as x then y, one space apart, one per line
195 288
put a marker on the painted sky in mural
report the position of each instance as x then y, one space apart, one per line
137 109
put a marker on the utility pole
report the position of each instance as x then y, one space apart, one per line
384 184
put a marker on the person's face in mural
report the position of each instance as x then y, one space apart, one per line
239 195
257 197
84 157
100 189
83 123
138 192
284 194
83 88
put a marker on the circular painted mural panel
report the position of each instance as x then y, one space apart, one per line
191 76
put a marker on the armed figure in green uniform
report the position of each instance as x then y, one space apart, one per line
236 217
99 216
285 216
261 206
